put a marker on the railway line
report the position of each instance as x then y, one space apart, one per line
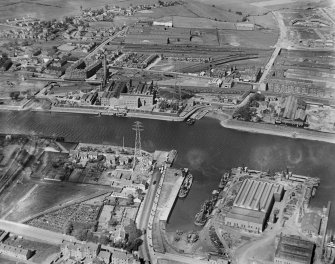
189 49
204 66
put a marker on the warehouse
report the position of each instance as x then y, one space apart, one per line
293 250
253 204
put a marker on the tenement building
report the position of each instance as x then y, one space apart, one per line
253 204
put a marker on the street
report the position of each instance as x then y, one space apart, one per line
34 232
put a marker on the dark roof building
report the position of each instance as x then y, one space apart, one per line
294 250
253 204
311 223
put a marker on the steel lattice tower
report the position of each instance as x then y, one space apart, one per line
138 127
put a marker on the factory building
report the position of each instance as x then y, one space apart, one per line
245 26
134 101
89 99
293 250
253 204
131 94
165 22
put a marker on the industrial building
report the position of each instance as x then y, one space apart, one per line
164 21
245 26
131 94
294 250
253 204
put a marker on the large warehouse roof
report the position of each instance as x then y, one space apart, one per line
293 248
256 195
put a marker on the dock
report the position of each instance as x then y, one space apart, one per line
173 179
201 114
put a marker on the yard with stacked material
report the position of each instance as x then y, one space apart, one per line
48 195
58 221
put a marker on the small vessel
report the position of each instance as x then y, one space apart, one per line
120 114
313 191
190 121
186 186
202 216
223 180
206 210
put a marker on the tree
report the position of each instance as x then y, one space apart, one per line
113 222
244 113
14 95
80 234
98 261
104 240
134 245
132 231
68 228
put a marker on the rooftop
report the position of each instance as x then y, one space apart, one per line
255 195
294 248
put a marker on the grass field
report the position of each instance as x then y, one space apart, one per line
250 39
200 22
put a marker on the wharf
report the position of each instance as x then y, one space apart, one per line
169 193
323 228
170 186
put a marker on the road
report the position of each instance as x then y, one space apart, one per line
35 233
281 43
144 218
181 258
327 15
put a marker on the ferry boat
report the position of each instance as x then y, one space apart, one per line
186 186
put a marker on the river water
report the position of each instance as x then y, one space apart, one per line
206 148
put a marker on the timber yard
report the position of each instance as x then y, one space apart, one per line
264 67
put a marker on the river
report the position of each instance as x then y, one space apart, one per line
206 148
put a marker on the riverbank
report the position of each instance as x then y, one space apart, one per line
108 113
277 130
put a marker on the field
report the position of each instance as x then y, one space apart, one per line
188 22
250 39
169 65
46 9
177 10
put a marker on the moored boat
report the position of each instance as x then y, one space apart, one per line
186 186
